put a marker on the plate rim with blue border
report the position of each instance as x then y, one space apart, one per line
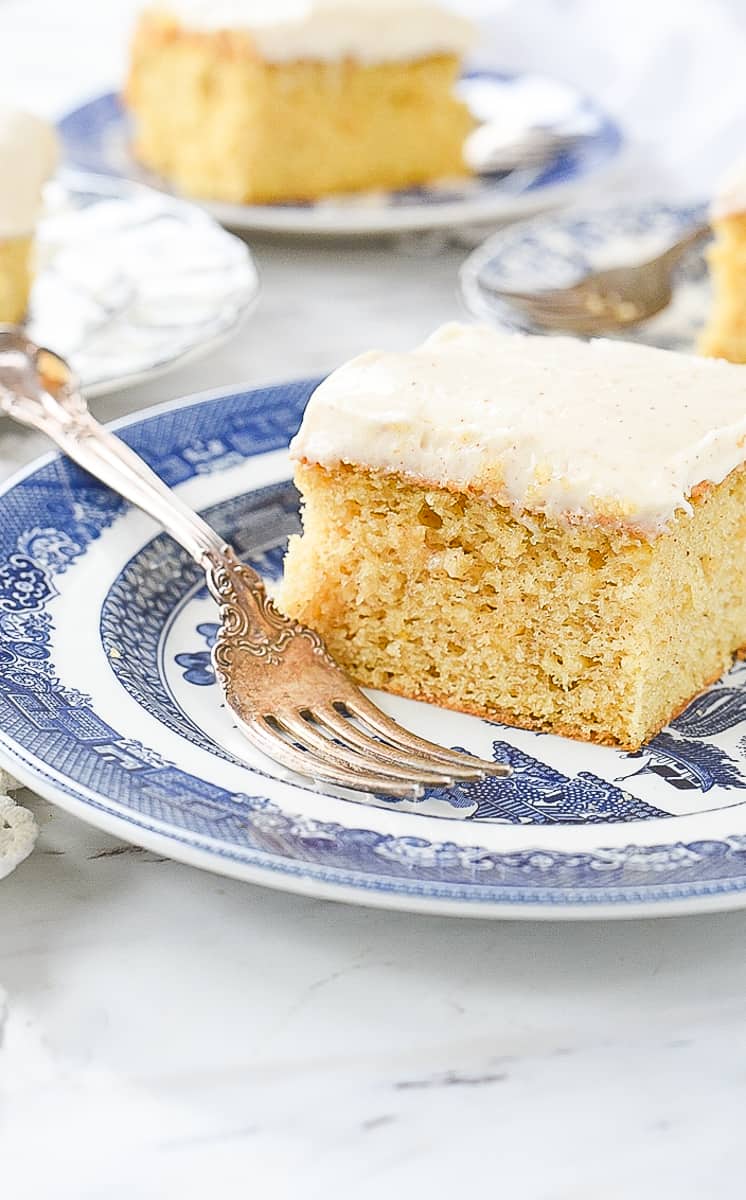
560 844
94 138
557 249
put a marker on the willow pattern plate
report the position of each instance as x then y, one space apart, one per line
96 137
108 706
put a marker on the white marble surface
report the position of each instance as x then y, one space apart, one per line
169 1033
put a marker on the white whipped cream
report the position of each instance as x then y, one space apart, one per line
371 31
730 194
572 429
28 156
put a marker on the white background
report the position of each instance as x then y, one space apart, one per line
171 1033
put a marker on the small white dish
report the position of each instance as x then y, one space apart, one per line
132 283
558 249
96 137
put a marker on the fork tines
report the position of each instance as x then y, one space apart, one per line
355 745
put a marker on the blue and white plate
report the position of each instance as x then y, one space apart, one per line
96 137
108 706
131 283
558 249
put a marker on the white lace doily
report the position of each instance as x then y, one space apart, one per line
18 828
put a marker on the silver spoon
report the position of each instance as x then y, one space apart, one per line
487 149
604 301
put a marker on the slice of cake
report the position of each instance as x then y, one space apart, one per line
543 531
724 336
28 156
252 102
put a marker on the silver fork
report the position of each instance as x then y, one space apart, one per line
290 698
604 301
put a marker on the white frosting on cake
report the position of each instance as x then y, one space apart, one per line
730 195
28 156
573 429
371 31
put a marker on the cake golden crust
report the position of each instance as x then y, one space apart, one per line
504 716
586 631
498 495
222 123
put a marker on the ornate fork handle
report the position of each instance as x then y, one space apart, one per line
38 389
286 692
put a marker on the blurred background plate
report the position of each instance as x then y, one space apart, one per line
132 283
96 137
557 250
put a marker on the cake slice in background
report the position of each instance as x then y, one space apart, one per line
28 157
724 336
543 531
251 102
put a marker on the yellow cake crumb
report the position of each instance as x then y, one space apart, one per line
724 336
15 278
448 596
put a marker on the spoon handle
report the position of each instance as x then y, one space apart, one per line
690 238
38 389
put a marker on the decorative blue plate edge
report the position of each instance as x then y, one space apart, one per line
344 886
605 145
484 307
349 885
